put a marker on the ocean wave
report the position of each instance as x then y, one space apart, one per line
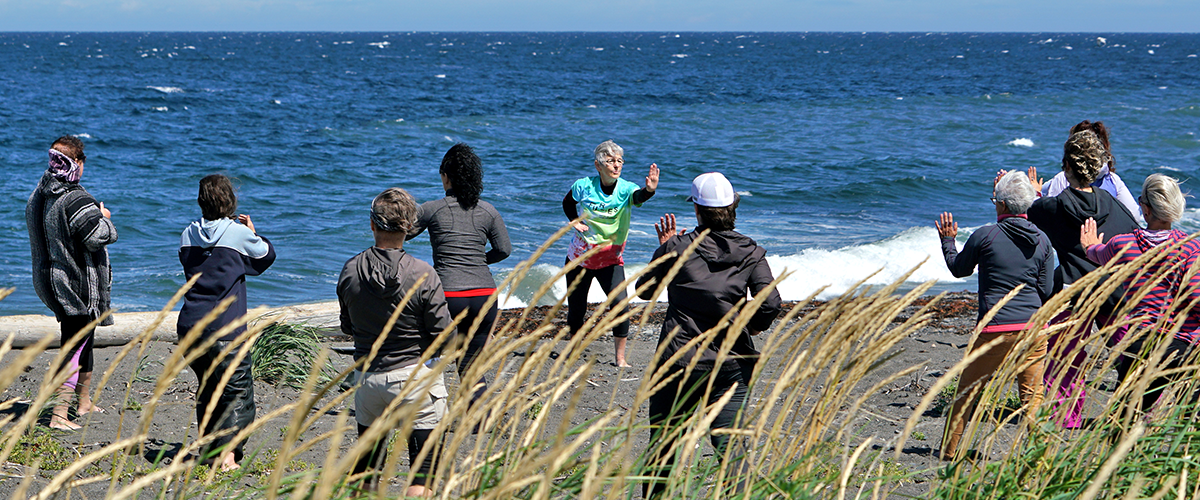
837 270
1023 142
166 90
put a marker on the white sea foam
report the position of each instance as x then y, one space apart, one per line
160 108
679 56
380 44
745 193
439 76
84 136
1151 51
1023 142
837 269
166 90
277 101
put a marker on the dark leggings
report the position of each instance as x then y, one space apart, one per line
235 404
71 327
374 459
1177 352
677 401
474 306
609 278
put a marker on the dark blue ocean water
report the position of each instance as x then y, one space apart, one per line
844 146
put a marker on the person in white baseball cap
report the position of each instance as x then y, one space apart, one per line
713 281
712 190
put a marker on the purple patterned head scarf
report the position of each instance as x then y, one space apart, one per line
63 167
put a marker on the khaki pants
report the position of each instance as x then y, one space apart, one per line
977 375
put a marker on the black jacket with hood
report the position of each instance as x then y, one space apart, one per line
1008 253
1060 217
710 283
372 284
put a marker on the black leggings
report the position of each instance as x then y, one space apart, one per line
677 401
235 404
374 459
1177 352
609 278
70 327
474 306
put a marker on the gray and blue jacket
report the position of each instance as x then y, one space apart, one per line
224 253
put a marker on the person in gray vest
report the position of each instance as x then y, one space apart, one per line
69 232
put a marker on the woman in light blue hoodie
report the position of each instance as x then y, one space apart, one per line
224 252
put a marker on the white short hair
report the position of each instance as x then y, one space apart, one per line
608 149
1015 190
1161 193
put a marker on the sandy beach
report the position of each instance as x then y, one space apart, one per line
934 348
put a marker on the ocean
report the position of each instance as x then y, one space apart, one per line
844 146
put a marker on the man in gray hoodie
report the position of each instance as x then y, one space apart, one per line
712 282
371 286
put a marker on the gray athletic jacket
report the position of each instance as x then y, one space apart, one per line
372 284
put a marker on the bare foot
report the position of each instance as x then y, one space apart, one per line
59 420
84 410
229 464
622 364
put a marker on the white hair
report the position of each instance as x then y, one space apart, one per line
608 149
1016 192
1162 195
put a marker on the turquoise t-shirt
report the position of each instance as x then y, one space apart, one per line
607 220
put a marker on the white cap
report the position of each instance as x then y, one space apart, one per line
712 190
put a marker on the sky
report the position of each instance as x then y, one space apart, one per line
1092 16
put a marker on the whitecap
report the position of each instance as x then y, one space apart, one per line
160 108
1172 169
679 56
448 138
597 49
188 47
439 76
380 44
1191 55
398 120
84 135
1162 88
1068 47
166 90
593 106
841 268
277 101
1151 51
958 57
1022 142
62 44
744 193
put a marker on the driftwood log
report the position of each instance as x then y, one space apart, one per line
28 329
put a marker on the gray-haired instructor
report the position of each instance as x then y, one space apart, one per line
370 288
68 235
713 280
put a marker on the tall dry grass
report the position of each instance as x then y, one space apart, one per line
794 439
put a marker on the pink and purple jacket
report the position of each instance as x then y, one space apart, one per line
1158 300
1190 331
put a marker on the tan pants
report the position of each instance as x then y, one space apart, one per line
976 376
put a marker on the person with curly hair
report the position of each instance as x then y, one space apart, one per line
1061 217
461 226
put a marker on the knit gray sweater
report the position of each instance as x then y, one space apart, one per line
68 236
459 238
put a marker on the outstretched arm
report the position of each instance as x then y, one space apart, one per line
642 195
572 213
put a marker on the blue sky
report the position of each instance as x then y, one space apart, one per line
625 15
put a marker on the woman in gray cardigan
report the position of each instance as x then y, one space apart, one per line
68 235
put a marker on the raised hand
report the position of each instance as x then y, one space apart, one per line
1087 234
652 178
946 226
245 220
665 227
1033 179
